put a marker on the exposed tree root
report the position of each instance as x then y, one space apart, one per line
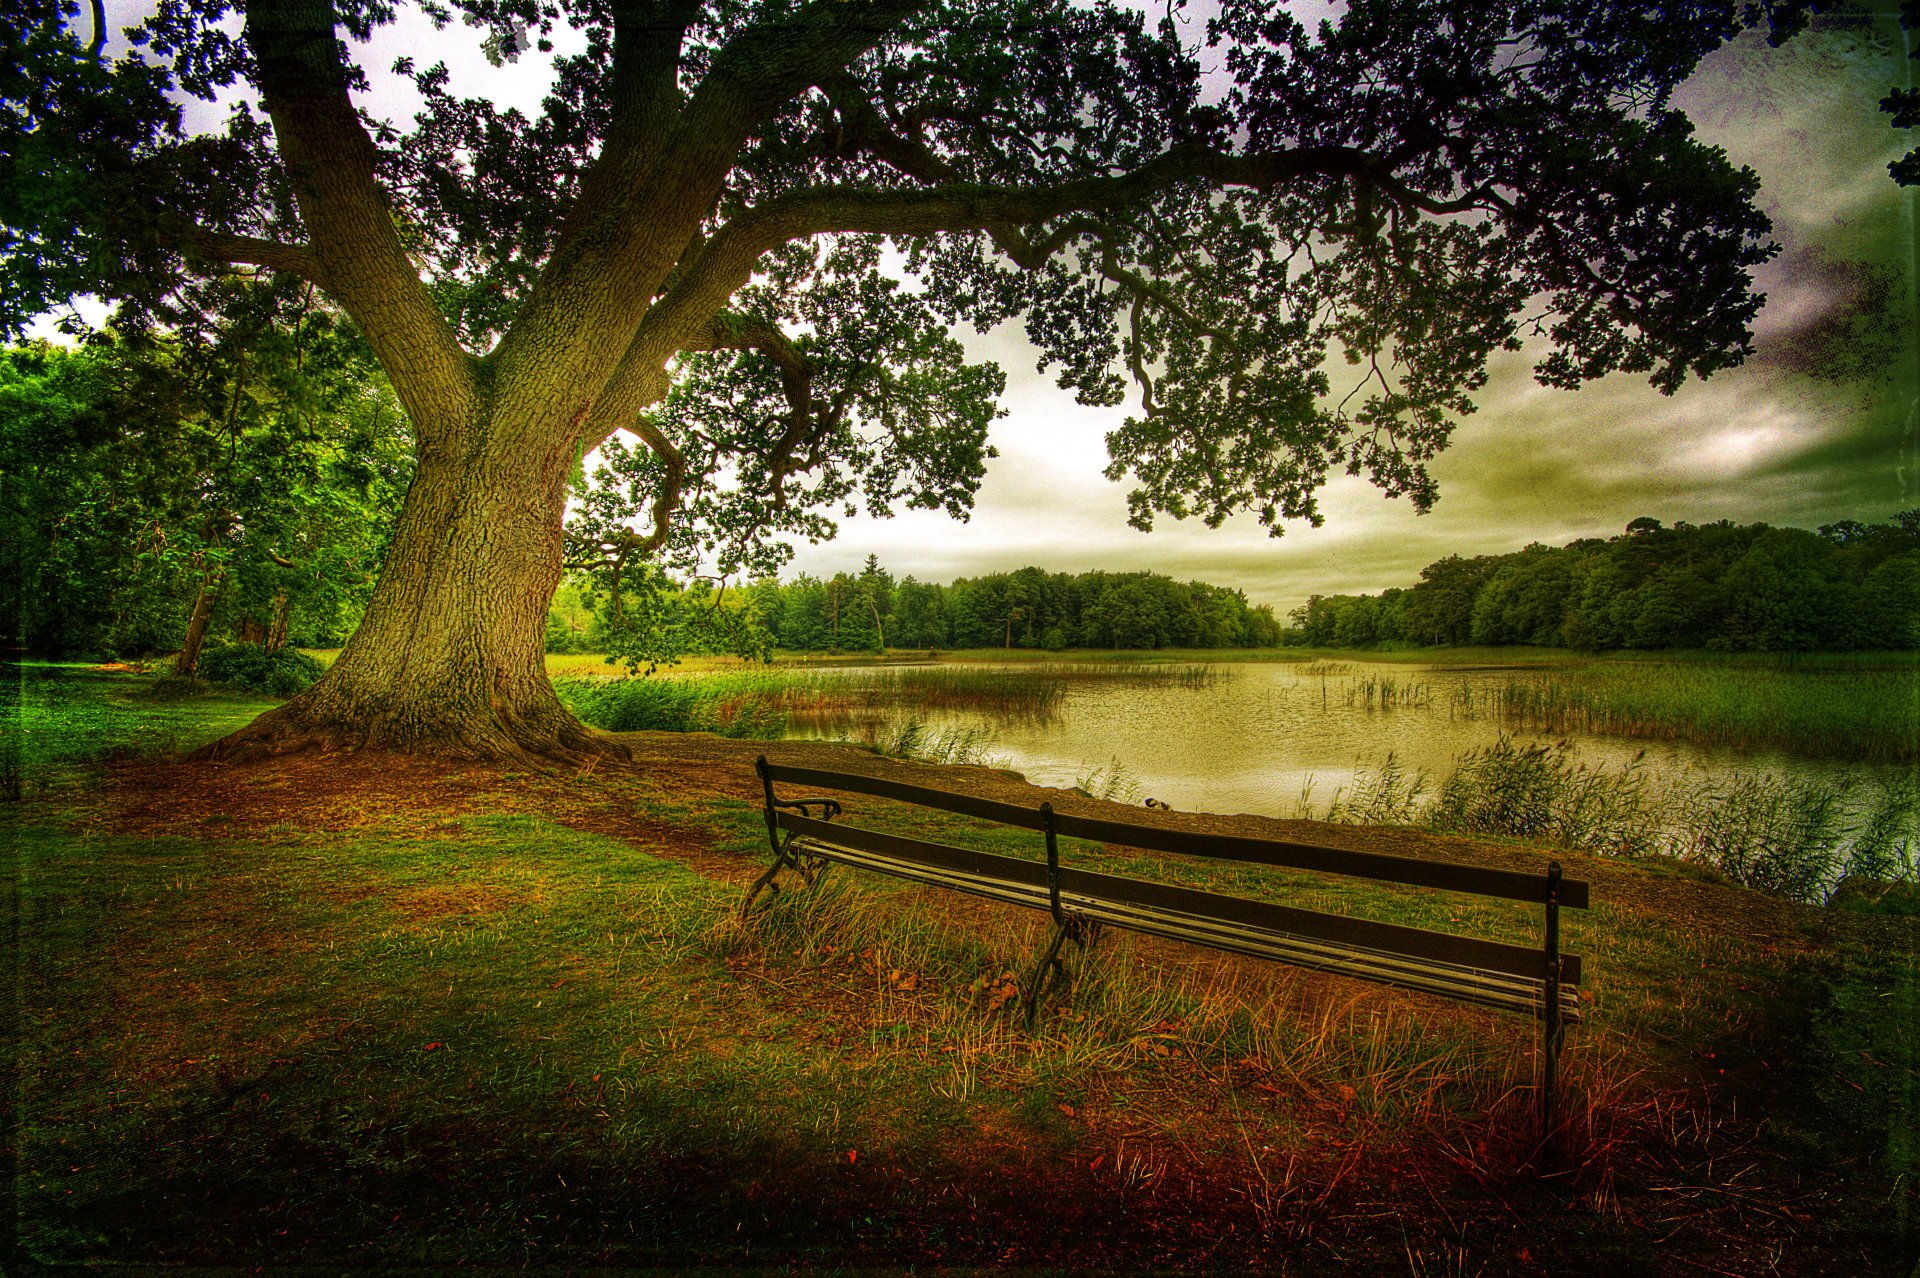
543 741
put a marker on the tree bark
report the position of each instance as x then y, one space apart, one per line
209 594
277 630
451 656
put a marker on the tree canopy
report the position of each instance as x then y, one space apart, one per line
744 231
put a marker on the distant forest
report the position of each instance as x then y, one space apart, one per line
1725 586
1734 587
1029 608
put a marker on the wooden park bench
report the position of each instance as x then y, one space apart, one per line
1539 982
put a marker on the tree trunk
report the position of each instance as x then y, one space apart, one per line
189 659
277 630
451 656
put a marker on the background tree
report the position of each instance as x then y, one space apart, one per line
161 490
699 237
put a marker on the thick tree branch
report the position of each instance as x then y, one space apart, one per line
805 423
330 165
247 250
647 38
768 63
728 259
642 193
672 484
99 42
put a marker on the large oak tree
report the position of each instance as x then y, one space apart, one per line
1295 247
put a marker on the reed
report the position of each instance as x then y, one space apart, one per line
1111 781
1795 838
915 741
743 704
1384 692
1844 711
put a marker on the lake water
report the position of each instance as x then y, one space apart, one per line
1260 735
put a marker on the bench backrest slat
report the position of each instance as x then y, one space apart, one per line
1392 938
1521 961
1511 885
965 804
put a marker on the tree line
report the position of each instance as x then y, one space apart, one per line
1030 608
1737 587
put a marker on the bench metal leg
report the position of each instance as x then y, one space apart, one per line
1552 1028
1076 930
764 881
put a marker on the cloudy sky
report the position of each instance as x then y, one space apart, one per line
1810 430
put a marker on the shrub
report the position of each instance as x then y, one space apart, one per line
278 672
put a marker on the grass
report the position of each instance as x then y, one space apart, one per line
861 705
1841 705
72 720
466 1032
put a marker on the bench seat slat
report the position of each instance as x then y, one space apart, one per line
1448 875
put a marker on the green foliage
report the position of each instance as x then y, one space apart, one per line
1201 210
261 458
1026 609
277 672
1729 587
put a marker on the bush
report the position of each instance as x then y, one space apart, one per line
729 706
278 672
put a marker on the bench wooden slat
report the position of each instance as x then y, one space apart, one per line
1471 985
919 851
1513 885
881 788
982 878
1090 886
1524 962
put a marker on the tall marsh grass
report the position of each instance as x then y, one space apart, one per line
1848 711
1793 837
743 704
910 739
